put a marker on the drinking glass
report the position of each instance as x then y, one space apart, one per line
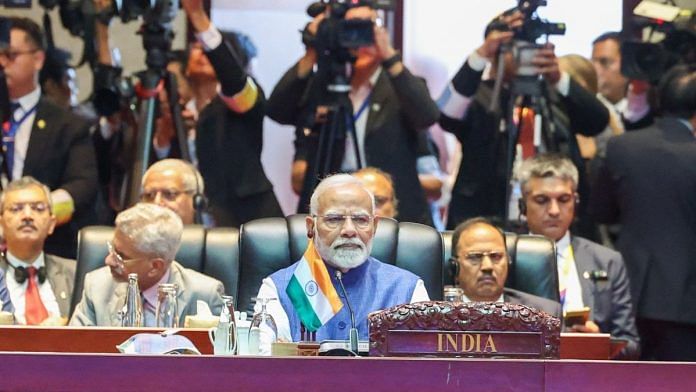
262 331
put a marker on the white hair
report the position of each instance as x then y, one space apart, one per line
152 229
191 177
337 180
24 183
550 165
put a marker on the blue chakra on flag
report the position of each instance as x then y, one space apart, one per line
311 288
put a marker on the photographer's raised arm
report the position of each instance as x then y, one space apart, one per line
238 90
455 100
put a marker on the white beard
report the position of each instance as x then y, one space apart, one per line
343 258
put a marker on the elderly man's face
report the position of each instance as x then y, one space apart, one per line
483 264
550 206
344 226
123 259
26 219
166 188
383 192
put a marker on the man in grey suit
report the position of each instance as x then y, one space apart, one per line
39 284
5 302
480 267
145 241
589 274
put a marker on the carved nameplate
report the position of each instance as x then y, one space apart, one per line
464 344
455 329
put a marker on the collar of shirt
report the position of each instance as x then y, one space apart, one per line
28 101
563 244
37 263
466 299
150 294
363 91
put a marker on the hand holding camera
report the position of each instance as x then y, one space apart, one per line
196 14
547 63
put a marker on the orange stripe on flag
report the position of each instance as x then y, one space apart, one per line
321 276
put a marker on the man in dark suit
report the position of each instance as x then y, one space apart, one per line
480 188
40 284
46 141
589 275
480 264
648 186
391 108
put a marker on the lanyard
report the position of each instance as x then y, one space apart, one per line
363 106
10 127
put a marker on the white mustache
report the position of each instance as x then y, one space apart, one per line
347 241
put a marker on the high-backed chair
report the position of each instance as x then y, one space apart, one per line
532 264
213 253
267 245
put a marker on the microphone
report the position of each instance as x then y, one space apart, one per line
353 337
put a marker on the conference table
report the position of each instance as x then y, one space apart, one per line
23 368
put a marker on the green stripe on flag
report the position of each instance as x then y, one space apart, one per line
302 305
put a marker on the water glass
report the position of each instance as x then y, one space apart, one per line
263 331
167 310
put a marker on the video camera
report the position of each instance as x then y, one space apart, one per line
336 35
650 60
533 26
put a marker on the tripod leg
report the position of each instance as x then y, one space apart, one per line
178 121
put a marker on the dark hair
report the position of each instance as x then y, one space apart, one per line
55 66
469 223
32 29
610 35
677 92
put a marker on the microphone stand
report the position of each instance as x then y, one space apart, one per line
353 336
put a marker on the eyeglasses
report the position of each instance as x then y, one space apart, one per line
476 258
119 258
334 221
36 206
11 55
167 194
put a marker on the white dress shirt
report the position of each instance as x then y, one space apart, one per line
358 98
23 134
18 291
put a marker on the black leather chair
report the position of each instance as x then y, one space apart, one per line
532 264
267 245
214 253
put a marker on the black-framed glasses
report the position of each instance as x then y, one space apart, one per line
476 257
167 194
334 221
36 206
11 55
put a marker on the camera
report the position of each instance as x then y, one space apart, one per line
533 26
650 60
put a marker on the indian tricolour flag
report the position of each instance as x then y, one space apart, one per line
311 292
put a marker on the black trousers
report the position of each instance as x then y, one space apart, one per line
667 340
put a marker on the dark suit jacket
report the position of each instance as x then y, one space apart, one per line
553 308
609 300
648 183
400 108
228 146
60 154
480 186
60 273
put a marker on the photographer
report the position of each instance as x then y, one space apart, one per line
480 188
396 111
229 134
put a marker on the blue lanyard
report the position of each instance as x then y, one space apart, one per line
363 106
11 130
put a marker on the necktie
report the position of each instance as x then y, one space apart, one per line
35 311
565 261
